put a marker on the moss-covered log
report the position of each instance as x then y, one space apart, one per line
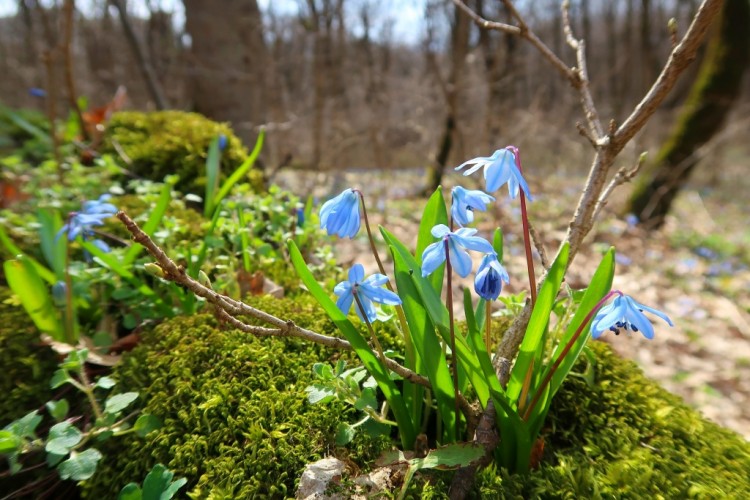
708 104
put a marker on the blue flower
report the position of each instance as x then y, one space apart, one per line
37 92
458 244
624 312
340 215
490 276
368 290
500 168
222 142
465 201
92 214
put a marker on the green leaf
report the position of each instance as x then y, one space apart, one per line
146 423
242 170
62 437
53 248
537 323
26 125
360 346
158 484
110 262
14 251
25 426
497 244
319 393
58 409
451 456
130 491
115 404
105 382
75 360
344 433
434 213
60 377
600 285
213 169
35 297
426 343
9 442
80 466
367 399
153 222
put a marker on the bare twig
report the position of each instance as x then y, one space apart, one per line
539 245
621 177
69 15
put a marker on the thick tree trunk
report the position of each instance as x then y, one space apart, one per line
711 97
228 62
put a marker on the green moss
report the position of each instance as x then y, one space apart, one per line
237 422
27 365
173 142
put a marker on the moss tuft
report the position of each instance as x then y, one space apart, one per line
27 365
173 142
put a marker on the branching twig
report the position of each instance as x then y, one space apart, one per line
621 177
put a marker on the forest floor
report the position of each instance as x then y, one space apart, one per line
696 269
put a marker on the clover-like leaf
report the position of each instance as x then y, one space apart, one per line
80 466
63 437
115 404
105 383
145 424
158 484
58 409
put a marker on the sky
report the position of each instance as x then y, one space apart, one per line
405 15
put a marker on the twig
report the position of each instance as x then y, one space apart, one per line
621 177
539 245
69 12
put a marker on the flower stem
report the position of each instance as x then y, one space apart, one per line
449 306
69 321
487 321
565 351
526 234
374 338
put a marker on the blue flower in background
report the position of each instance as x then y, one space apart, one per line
222 142
488 282
92 214
37 92
625 312
458 243
465 201
340 215
500 168
368 290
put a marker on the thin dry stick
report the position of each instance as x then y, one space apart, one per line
69 13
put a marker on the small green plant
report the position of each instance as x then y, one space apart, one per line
69 444
158 485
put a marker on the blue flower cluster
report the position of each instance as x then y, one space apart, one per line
93 213
624 313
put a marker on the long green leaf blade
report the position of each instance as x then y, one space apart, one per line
434 213
34 295
153 222
213 170
537 323
241 170
361 347
14 251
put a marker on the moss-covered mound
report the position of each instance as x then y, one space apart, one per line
172 142
236 419
237 425
27 365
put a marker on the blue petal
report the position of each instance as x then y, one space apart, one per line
432 257
440 230
367 305
356 273
101 245
460 260
344 303
342 288
606 317
499 172
656 312
379 295
476 243
376 279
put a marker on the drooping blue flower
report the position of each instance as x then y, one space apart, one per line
500 168
222 142
488 283
340 215
624 312
92 214
367 289
465 201
458 244
37 92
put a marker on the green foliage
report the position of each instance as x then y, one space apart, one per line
27 365
174 142
235 412
158 485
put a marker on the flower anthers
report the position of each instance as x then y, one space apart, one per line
368 290
465 201
340 215
458 244
500 168
625 313
488 283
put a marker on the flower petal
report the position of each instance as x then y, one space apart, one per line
379 295
460 259
440 230
432 257
344 303
356 273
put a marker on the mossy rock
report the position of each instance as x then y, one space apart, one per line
27 364
237 424
163 143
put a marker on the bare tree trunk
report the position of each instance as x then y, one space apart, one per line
711 98
152 83
460 30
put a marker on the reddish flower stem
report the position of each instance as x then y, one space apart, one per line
526 232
